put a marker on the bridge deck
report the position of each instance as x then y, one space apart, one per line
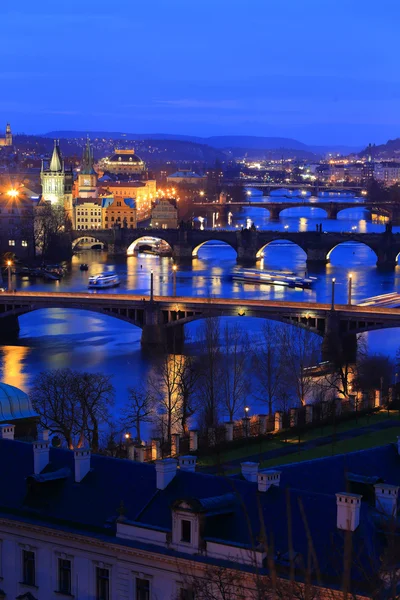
85 299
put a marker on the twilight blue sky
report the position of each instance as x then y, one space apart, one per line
322 71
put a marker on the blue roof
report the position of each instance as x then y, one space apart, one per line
234 511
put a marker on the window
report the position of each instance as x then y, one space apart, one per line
102 584
64 576
142 589
186 594
24 244
28 567
186 531
11 242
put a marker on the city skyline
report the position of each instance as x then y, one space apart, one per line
303 72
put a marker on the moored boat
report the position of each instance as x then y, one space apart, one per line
256 276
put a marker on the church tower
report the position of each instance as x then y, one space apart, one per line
8 135
56 181
87 179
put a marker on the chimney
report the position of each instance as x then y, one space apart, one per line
166 471
7 431
41 452
187 463
82 463
268 478
386 498
348 511
250 471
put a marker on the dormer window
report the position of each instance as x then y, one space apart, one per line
186 531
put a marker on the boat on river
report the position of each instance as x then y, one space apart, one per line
103 281
280 278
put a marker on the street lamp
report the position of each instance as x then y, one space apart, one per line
9 265
246 410
333 294
151 285
174 269
349 289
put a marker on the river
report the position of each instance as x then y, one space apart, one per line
56 338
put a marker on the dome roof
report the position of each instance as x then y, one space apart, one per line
126 158
14 404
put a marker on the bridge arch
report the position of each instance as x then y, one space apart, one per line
305 210
213 242
149 243
368 254
276 242
88 241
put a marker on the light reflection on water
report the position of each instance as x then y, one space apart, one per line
57 338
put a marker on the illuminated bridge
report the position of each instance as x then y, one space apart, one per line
162 318
249 244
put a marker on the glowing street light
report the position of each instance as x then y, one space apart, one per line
151 285
349 289
12 193
333 294
9 265
174 269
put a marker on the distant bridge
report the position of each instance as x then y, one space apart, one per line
249 244
162 318
332 209
314 187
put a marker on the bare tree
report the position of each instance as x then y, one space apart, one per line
300 349
73 405
209 387
139 409
268 363
188 377
48 221
164 386
235 366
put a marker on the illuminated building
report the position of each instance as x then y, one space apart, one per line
124 162
164 215
7 139
87 178
188 177
87 213
16 224
119 212
57 182
144 192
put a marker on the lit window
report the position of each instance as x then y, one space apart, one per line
11 242
24 244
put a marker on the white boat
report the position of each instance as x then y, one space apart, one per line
103 281
257 276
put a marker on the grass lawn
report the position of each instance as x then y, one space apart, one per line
282 440
369 440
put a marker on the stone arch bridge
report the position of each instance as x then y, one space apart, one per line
249 243
162 319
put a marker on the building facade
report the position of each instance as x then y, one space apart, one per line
144 193
119 212
7 139
87 213
164 215
91 526
16 224
124 162
57 182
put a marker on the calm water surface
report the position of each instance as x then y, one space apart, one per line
56 338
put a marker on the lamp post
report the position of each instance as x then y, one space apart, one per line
151 285
333 294
174 269
9 265
349 289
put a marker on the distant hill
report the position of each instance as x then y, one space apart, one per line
217 141
386 151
